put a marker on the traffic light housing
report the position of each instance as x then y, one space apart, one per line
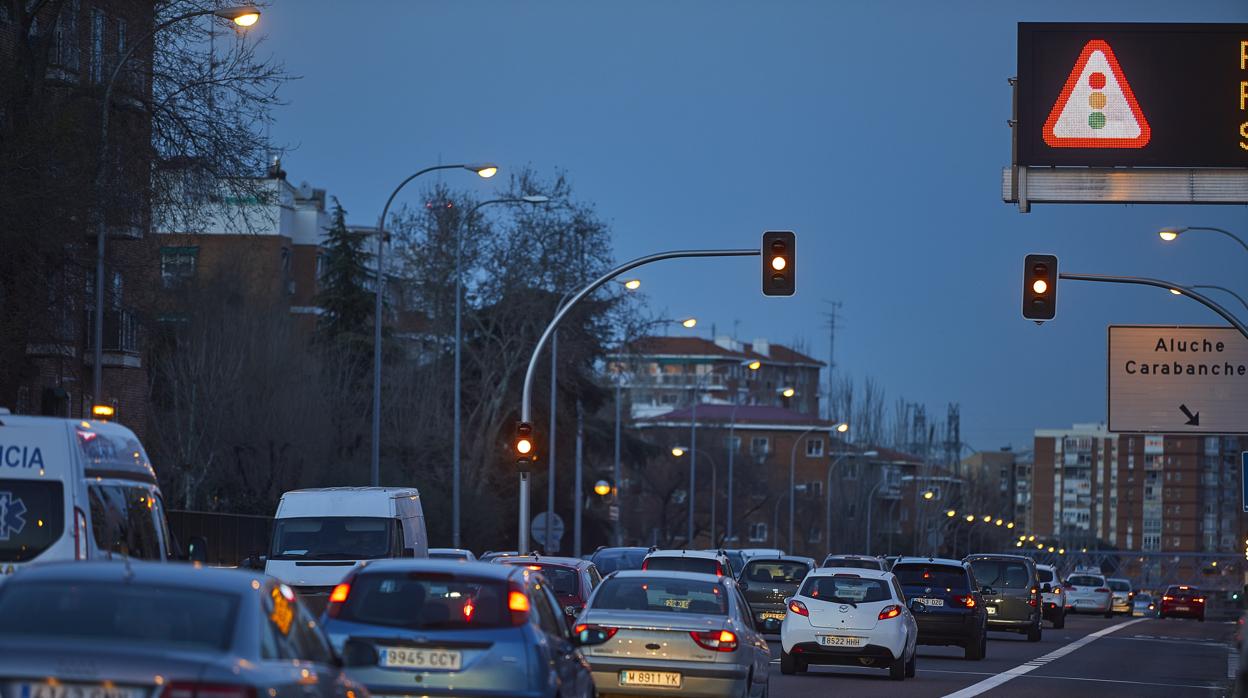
522 445
1040 287
779 263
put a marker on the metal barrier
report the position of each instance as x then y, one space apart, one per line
231 538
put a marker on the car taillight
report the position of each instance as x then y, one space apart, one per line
518 604
890 612
80 535
719 570
798 607
193 689
966 601
605 628
716 640
1167 598
1198 599
340 593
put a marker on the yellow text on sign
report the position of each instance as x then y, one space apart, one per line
1243 94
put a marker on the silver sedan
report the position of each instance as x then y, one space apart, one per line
145 630
675 633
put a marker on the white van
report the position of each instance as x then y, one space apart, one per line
320 534
76 490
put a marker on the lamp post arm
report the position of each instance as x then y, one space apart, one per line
1225 232
526 412
1168 285
1223 289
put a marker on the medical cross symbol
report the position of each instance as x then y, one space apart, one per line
11 520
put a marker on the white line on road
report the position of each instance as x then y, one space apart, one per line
1232 662
991 683
1080 678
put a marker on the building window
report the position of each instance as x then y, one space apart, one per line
177 265
97 46
759 445
733 443
814 534
758 532
814 448
851 510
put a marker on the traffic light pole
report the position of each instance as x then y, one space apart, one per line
1158 283
526 398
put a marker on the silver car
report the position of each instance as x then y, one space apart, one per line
136 630
675 633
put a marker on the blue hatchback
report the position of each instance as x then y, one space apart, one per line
437 627
952 611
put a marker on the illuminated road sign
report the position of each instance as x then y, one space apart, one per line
1154 95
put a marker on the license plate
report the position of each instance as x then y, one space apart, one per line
635 677
931 602
410 658
992 610
769 615
75 690
1182 608
841 641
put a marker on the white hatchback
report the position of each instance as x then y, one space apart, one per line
1087 592
851 617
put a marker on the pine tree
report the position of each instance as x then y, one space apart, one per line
346 302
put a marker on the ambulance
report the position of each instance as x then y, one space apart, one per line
76 490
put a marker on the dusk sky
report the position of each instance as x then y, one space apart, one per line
875 130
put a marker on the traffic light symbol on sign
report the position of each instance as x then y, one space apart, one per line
522 444
1040 287
779 263
1096 108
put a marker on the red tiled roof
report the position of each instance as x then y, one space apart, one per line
697 346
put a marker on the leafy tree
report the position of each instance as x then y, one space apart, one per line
345 300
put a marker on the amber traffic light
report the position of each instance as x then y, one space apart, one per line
1040 287
779 263
522 445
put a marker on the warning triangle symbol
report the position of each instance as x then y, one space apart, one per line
1096 108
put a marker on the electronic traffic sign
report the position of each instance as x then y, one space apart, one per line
1144 95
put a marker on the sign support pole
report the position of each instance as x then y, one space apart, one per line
1158 283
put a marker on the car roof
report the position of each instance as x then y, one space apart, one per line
852 556
194 576
702 554
652 574
781 558
450 550
1118 579
487 570
999 556
576 562
929 561
621 549
851 572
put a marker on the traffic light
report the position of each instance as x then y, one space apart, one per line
779 263
522 444
1040 287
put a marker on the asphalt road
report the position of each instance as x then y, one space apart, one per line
1148 658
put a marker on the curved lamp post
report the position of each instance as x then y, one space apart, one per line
243 16
483 170
1172 234
465 226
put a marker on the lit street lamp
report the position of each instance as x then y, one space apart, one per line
485 171
243 16
1172 234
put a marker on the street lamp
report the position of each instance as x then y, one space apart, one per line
243 16
951 513
787 392
465 223
632 284
929 494
689 323
1172 234
483 170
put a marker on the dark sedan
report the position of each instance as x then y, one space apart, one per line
571 579
135 630
767 582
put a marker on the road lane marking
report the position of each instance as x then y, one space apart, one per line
1077 678
1029 666
1232 662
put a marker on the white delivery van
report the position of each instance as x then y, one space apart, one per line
320 534
75 489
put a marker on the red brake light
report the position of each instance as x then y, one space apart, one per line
890 612
585 626
1167 598
340 593
967 601
191 689
645 564
517 602
716 640
719 570
798 607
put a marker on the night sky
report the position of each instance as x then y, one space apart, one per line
876 130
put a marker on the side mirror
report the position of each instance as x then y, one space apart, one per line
197 549
918 606
590 635
1046 588
572 611
987 590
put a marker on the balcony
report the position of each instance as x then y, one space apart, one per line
121 333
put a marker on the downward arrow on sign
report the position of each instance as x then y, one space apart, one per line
1193 420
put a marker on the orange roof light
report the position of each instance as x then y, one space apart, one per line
340 593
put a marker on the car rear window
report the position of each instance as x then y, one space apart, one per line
1085 580
1001 574
844 588
660 594
775 571
702 565
125 519
1119 585
32 518
1044 575
564 581
162 616
609 561
915 575
424 602
852 563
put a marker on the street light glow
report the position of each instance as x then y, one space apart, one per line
929 494
842 427
524 446
689 323
632 284
951 513
1169 234
483 170
535 199
970 518
602 488
1040 286
243 16
788 392
678 451
999 522
754 365
1010 525
987 518
246 20
1031 539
